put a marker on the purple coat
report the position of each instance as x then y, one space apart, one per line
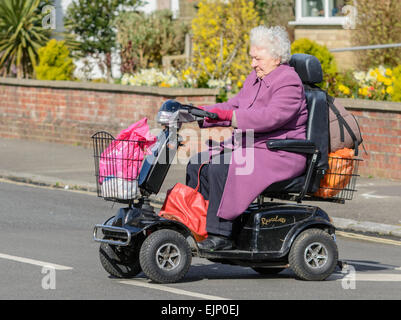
274 108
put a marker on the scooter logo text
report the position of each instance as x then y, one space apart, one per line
265 221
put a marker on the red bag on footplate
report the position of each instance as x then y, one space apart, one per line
187 205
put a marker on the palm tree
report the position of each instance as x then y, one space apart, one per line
21 35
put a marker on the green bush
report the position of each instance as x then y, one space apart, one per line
378 23
54 62
397 84
21 34
145 38
325 57
91 24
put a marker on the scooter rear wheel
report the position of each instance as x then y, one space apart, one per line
165 256
313 255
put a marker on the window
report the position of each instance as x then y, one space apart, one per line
313 8
319 12
335 8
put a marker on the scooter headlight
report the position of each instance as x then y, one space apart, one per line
163 117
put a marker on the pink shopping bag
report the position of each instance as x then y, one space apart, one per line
123 157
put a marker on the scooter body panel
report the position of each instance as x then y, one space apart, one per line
131 223
266 233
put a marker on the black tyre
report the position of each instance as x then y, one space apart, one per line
165 256
268 271
120 263
313 255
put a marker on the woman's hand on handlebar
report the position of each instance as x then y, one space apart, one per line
223 115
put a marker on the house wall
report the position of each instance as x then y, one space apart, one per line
332 37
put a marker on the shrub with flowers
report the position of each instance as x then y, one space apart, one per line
376 84
221 40
152 77
396 96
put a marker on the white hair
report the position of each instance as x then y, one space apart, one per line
274 39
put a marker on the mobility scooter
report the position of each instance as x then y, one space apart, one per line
270 235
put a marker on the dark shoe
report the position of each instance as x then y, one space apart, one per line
213 243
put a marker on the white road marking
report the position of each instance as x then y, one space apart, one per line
378 277
370 195
367 238
144 284
34 262
47 187
374 265
369 277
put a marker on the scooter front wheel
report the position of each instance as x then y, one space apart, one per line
119 263
165 256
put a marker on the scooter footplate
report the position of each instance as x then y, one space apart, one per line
113 232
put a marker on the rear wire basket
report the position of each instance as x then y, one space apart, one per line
117 167
339 182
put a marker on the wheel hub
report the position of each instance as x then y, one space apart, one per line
316 255
168 256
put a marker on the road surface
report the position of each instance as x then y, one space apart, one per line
47 252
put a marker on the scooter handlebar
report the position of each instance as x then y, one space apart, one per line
202 113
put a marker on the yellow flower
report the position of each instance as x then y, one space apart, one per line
186 72
165 85
380 78
344 89
389 73
388 82
364 91
390 90
239 84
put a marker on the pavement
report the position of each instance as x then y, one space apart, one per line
375 208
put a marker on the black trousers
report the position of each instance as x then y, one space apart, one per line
213 176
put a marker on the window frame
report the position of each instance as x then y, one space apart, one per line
326 20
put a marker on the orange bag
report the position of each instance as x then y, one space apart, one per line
187 206
339 174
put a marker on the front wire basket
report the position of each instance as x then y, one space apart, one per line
340 179
117 165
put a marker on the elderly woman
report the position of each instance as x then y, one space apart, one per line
272 104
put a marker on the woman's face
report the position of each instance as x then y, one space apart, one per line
262 62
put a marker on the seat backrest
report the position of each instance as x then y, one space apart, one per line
310 71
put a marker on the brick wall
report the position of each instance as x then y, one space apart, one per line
380 124
70 112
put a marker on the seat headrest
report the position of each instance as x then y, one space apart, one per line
308 68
